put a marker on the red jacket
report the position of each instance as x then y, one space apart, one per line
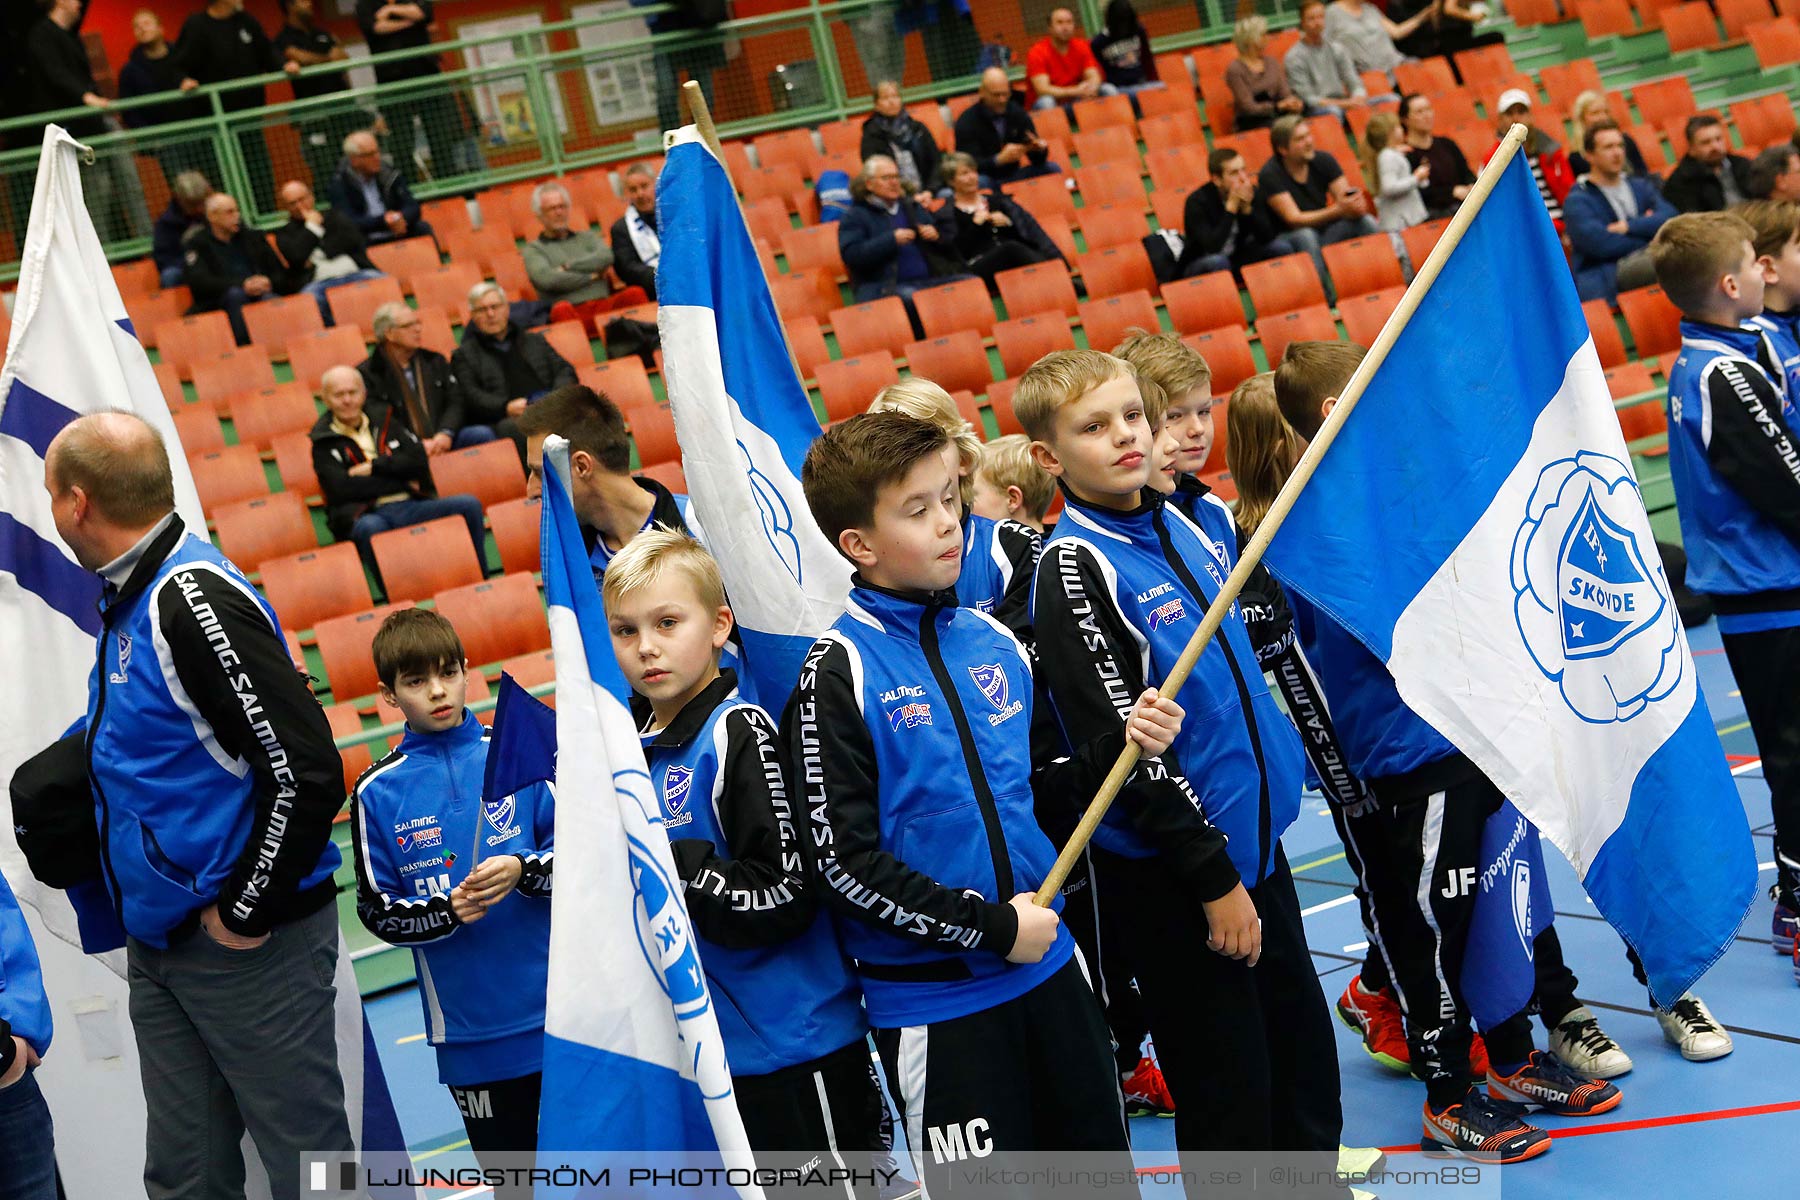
1559 176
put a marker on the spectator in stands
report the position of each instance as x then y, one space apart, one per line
1123 50
1398 204
303 42
321 250
569 267
1449 178
888 243
1448 27
1307 191
57 76
636 244
389 27
1259 87
998 134
1709 176
1225 224
501 367
696 56
1060 67
1611 217
1549 165
150 69
1591 109
418 385
896 133
373 471
374 194
1775 174
229 266
988 231
187 210
223 42
1367 36
1320 73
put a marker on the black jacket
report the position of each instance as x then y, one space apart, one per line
401 465
976 136
1206 225
57 74
1692 187
913 137
970 240
481 368
296 244
210 273
167 235
145 76
346 194
406 39
212 51
627 263
443 396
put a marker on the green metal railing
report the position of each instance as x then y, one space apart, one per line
531 102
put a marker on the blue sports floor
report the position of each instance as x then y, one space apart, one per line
1720 1129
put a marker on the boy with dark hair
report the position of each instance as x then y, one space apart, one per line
909 731
435 865
1431 806
612 504
1735 459
1119 592
789 1009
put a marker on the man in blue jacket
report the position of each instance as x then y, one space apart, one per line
1610 218
374 194
28 1168
214 782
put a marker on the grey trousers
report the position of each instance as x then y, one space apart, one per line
231 1040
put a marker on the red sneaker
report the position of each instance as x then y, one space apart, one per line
1377 1017
1146 1093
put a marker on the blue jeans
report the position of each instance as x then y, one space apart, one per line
319 287
1044 102
398 514
171 276
472 435
28 1167
233 303
1275 247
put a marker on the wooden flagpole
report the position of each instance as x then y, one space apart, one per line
1303 472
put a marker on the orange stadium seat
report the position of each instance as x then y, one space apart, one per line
354 304
1110 183
1486 68
344 720
653 433
792 146
197 429
1104 112
344 649
765 183
227 475
1764 121
1738 15
847 385
1052 125
1111 143
491 472
1654 321
1172 130
624 380
931 116
405 260
530 670
570 339
138 277
199 338
1363 316
1312 324
955 362
1106 225
1690 26
293 462
1652 12
876 327
1534 12
1043 196
166 379
1605 18
768 219
1203 302
260 416
804 294
224 377
1628 380
999 395
807 342
447 288
1563 82
1428 75
253 531
485 247
1106 322
1279 285
1170 208
1420 239
276 322
949 307
1227 351
1176 168
1607 342
1362 265
515 525
1664 101
497 618
1117 269
1060 235
510 273
813 248
1777 42
313 354
448 218
1040 287
152 309
417 560
435 333
1023 340
315 585
1645 420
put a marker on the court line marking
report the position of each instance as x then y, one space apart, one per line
1346 898
1717 1114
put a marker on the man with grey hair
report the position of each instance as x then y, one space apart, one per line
569 267
374 472
187 210
502 367
214 783
636 240
322 250
889 244
373 193
418 385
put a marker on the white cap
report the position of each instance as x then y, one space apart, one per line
1513 97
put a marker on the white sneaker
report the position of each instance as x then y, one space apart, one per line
1360 1162
1580 1042
1690 1026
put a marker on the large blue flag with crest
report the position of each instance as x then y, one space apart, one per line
1477 524
744 423
633 1060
